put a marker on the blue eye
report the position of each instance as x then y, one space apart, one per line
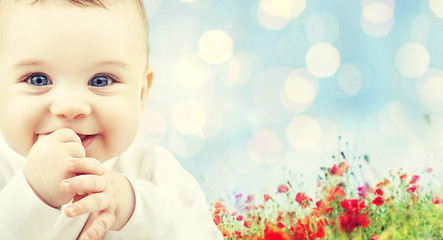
39 80
100 81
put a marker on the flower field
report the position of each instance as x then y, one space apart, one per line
403 206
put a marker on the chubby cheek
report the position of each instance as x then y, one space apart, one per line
17 131
20 141
117 135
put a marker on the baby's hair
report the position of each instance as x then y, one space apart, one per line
104 4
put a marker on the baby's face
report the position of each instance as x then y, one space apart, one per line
64 66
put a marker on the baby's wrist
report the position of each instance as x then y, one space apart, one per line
126 203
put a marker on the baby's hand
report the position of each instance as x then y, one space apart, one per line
110 198
46 165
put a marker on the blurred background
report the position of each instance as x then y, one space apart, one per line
250 94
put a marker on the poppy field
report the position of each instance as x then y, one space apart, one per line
402 206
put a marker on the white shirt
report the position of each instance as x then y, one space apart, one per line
169 202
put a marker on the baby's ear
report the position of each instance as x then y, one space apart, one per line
148 77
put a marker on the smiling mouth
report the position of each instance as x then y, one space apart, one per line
86 139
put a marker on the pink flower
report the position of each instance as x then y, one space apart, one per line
283 188
414 179
249 199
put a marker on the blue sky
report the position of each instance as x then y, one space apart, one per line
247 91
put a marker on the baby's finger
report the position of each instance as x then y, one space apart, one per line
74 149
65 135
99 227
87 183
92 203
86 166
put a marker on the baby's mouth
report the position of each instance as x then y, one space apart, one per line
86 139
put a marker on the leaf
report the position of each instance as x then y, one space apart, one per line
428 118
366 157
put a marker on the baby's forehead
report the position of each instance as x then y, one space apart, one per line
130 7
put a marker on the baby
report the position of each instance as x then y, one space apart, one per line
74 80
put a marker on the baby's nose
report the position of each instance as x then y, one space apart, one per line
70 106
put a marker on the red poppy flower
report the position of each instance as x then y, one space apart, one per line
247 223
412 189
378 201
352 204
302 199
239 218
322 208
283 188
266 197
334 193
218 219
349 221
378 191
403 176
381 184
352 217
339 169
374 237
273 233
437 201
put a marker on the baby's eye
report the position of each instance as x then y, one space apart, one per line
39 80
100 81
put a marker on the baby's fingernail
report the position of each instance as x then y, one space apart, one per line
85 238
71 211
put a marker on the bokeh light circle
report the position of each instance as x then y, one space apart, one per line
322 60
237 71
377 17
436 7
189 117
285 9
378 12
349 79
276 14
299 91
215 46
430 87
412 60
271 22
304 133
431 91
191 72
264 147
393 119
